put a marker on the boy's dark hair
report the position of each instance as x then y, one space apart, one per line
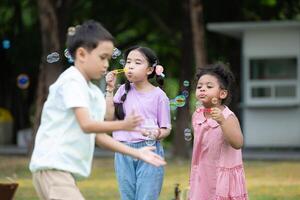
153 61
223 74
88 35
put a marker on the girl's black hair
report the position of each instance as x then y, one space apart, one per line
153 61
88 35
223 74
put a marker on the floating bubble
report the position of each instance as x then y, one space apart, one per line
67 53
122 62
116 53
173 105
6 44
68 56
71 31
186 83
23 81
198 104
151 139
188 134
152 131
180 100
214 100
53 57
185 93
70 60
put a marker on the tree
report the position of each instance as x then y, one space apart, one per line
53 16
198 32
186 70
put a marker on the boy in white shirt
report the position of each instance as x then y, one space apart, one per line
73 113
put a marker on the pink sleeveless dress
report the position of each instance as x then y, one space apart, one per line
217 171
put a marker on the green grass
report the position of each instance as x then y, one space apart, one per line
265 180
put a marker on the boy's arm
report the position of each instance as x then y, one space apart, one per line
144 153
89 125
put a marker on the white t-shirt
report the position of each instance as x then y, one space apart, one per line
60 143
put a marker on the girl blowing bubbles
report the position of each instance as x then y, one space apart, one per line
217 171
136 178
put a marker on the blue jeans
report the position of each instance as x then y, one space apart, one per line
137 179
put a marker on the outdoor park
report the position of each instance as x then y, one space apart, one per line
259 41
266 180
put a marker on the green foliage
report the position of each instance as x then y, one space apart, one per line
268 2
171 87
156 24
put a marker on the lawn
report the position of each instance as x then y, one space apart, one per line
265 180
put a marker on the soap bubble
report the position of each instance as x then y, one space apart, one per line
180 100
173 105
53 57
188 134
198 104
185 93
186 83
151 139
214 100
6 44
23 81
68 56
122 62
116 53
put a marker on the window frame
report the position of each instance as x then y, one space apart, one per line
272 84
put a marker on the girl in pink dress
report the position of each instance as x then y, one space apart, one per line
217 171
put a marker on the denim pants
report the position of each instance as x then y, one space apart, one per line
137 179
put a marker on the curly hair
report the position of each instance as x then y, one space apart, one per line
223 74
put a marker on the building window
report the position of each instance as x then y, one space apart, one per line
273 69
273 81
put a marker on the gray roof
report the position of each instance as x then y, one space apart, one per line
236 29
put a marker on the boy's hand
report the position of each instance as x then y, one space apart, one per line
110 79
217 115
147 154
132 121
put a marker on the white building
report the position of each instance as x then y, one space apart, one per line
271 80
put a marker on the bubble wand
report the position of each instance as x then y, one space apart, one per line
214 101
119 71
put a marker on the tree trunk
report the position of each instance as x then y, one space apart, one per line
198 33
50 43
180 146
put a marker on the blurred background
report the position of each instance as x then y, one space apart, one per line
258 40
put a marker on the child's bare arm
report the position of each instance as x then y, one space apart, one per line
110 108
89 125
163 133
232 132
230 127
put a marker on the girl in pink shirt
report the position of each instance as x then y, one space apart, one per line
217 171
